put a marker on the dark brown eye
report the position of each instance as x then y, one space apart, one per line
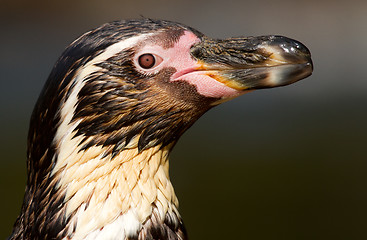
147 61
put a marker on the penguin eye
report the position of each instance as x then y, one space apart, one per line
148 60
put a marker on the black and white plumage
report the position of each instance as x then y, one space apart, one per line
114 105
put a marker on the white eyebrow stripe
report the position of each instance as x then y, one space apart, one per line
66 127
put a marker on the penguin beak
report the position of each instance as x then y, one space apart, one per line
254 62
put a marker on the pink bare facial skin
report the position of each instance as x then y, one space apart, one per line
188 69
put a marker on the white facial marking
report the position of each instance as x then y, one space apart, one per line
66 128
68 156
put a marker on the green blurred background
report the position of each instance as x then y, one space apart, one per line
286 163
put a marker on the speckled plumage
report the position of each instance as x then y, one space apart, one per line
102 129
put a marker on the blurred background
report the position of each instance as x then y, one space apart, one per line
285 163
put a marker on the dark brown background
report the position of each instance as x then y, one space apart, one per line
286 163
